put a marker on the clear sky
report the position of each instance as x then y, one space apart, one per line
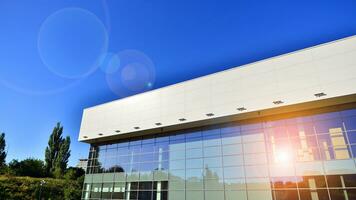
59 57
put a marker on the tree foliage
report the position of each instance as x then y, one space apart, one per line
57 152
2 150
28 167
27 188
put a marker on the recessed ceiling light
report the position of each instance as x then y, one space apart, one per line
320 94
182 119
158 124
278 102
85 136
241 109
136 127
117 131
210 114
100 134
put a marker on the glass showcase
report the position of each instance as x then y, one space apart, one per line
301 158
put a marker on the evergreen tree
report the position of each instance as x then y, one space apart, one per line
57 152
2 150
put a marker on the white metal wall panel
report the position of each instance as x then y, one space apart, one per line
293 78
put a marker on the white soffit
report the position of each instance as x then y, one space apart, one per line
279 81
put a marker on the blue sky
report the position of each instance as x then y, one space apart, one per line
59 57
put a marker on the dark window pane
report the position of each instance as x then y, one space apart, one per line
132 194
312 182
352 137
145 195
286 195
160 185
350 180
338 195
326 126
145 185
350 123
132 186
308 194
334 180
351 194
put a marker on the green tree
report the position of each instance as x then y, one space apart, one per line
57 152
28 167
2 150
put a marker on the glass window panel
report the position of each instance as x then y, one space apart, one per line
334 180
347 113
194 153
278 132
324 116
234 172
195 195
352 137
144 195
160 175
260 195
284 182
340 167
314 194
252 126
176 174
230 128
177 164
253 159
212 162
351 193
146 185
282 169
295 130
338 194
131 195
311 182
194 163
148 157
176 155
176 195
231 138
350 180
235 184
258 183
213 173
253 137
234 195
146 148
257 171
309 168
286 195
194 174
232 149
176 145
326 126
194 142
212 140
212 151
350 123
194 184
255 147
213 184
162 146
96 190
176 185
214 195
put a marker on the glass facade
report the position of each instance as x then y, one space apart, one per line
302 158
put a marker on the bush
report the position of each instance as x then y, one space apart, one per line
28 167
27 188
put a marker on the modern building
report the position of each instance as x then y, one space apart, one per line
283 128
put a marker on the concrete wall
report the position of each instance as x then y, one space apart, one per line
292 78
